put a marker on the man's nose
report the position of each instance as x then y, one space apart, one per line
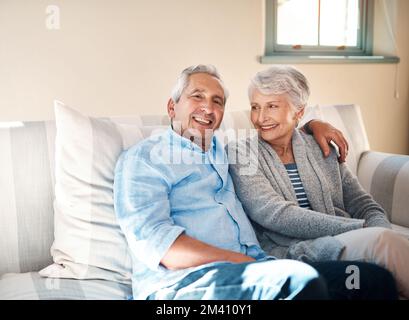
207 107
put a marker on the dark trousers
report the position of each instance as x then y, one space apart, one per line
344 277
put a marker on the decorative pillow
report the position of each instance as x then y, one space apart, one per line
88 242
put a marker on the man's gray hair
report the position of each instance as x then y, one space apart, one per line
282 79
183 80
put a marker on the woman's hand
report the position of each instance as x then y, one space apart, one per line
324 133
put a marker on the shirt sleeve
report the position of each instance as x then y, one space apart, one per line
141 198
359 203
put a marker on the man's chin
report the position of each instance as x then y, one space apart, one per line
201 136
201 131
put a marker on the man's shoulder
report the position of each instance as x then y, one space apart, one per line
144 147
144 159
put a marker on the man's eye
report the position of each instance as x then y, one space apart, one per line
254 107
273 106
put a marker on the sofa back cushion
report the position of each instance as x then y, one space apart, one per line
27 193
348 119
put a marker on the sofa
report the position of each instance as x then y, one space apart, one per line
59 237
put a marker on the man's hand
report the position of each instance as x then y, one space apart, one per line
324 133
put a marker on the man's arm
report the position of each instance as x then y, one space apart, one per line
188 252
324 133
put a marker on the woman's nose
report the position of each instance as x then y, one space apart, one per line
261 117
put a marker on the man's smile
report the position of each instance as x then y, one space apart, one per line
203 121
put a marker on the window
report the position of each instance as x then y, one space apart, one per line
319 30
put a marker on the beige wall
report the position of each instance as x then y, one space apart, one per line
121 57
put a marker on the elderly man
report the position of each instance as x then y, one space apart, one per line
187 232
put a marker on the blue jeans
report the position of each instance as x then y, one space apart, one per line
259 280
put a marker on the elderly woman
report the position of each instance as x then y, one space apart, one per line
304 206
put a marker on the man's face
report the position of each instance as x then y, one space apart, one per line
200 108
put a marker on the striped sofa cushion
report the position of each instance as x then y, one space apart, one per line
386 177
31 286
26 203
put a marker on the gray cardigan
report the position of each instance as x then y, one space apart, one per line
285 230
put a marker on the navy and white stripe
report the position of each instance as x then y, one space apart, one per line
297 185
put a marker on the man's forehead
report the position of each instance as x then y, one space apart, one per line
204 82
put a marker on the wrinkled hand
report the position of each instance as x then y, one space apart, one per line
324 133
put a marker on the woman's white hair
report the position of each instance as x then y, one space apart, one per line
282 79
183 80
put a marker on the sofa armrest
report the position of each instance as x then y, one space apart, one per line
386 177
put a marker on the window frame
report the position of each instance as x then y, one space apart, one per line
271 56
363 48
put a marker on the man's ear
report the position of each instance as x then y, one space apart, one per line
171 108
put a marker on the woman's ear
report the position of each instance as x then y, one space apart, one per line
171 108
300 113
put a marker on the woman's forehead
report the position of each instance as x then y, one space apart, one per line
258 96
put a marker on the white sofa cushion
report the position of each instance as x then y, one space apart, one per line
88 242
348 119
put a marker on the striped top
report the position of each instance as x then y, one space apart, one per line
297 185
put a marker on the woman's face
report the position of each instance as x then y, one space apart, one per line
273 116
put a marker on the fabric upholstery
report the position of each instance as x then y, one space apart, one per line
386 177
26 208
31 286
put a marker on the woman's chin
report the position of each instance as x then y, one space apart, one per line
267 136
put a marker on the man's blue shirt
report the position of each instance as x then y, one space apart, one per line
166 185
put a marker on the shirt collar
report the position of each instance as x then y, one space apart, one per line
177 139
